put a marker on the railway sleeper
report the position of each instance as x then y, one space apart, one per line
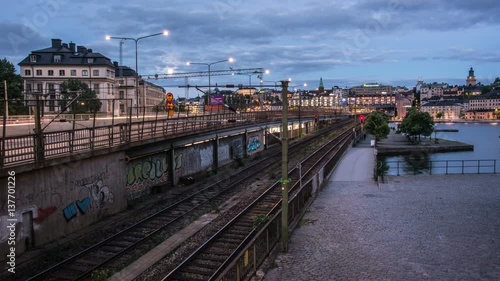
220 251
119 243
226 245
65 274
92 261
130 238
111 249
202 270
237 234
79 268
230 240
189 276
206 263
213 256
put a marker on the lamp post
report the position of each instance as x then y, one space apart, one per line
284 168
165 33
209 66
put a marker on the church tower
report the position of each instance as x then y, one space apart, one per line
471 79
321 88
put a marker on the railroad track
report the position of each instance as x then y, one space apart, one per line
211 258
82 264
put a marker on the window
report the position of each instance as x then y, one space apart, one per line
85 73
57 58
73 72
90 60
28 87
33 58
51 73
95 72
96 88
39 87
27 72
39 72
62 72
122 94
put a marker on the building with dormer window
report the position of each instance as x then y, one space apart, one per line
44 70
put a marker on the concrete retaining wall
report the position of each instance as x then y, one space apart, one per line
54 201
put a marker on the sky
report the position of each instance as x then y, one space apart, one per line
346 43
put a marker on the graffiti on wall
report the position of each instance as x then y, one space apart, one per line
237 148
178 161
146 172
94 197
253 143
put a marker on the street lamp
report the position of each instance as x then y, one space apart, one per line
209 65
165 33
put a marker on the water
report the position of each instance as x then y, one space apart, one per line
484 136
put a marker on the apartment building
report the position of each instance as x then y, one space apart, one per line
451 110
44 70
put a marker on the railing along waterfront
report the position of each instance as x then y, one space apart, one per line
446 167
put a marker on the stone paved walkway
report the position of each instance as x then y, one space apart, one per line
438 227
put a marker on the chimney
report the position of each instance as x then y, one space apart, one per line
72 47
81 49
56 43
115 63
65 45
89 50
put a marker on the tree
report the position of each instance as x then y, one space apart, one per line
439 115
417 123
86 102
377 124
14 89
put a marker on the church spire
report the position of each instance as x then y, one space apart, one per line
321 88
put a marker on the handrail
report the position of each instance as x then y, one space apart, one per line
461 166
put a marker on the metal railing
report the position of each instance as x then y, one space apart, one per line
252 255
33 148
400 167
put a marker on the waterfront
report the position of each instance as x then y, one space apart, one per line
484 136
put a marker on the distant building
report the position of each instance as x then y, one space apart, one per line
471 79
321 87
451 110
490 100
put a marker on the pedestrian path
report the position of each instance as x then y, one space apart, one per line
437 227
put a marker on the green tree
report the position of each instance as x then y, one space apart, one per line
417 123
86 102
14 89
377 124
439 115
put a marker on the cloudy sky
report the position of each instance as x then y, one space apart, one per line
346 43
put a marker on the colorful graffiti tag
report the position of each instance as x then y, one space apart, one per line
97 199
253 143
145 173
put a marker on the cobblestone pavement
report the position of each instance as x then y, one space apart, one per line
425 227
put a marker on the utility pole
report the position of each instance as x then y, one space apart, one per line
39 146
6 99
284 169
4 127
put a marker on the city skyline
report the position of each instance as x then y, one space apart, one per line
389 42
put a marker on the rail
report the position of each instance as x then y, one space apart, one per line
484 166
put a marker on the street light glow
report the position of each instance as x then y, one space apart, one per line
136 40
